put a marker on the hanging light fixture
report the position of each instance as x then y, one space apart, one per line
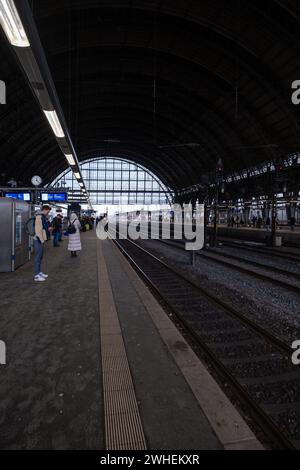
12 24
54 123
70 160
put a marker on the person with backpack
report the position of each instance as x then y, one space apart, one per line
57 229
41 235
59 212
74 235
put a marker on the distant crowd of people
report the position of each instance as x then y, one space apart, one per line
258 222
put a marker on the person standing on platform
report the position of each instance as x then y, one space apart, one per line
292 223
74 238
259 222
57 228
59 211
40 237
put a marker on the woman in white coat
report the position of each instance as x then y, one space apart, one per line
74 238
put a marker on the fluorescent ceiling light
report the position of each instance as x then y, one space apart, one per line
77 175
12 25
70 160
54 122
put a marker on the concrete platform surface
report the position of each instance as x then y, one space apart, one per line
50 389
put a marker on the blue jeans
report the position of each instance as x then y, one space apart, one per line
56 238
38 252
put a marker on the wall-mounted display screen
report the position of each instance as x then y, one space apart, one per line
21 196
54 197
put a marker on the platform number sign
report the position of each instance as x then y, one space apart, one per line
279 172
219 171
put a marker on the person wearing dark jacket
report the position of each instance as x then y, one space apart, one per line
57 227
59 211
292 223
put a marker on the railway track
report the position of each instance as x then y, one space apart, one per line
255 363
266 251
262 271
242 265
258 264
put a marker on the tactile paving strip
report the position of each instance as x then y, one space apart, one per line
123 427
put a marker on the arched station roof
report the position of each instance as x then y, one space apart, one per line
171 84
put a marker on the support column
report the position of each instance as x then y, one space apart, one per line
273 234
219 178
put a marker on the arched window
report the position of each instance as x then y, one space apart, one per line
116 181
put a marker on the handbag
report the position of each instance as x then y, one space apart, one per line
71 228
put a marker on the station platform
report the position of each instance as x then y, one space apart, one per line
94 362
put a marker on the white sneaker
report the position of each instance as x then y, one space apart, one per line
39 278
43 275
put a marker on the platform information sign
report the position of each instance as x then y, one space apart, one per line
54 197
18 195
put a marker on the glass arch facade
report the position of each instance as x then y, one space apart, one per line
116 181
